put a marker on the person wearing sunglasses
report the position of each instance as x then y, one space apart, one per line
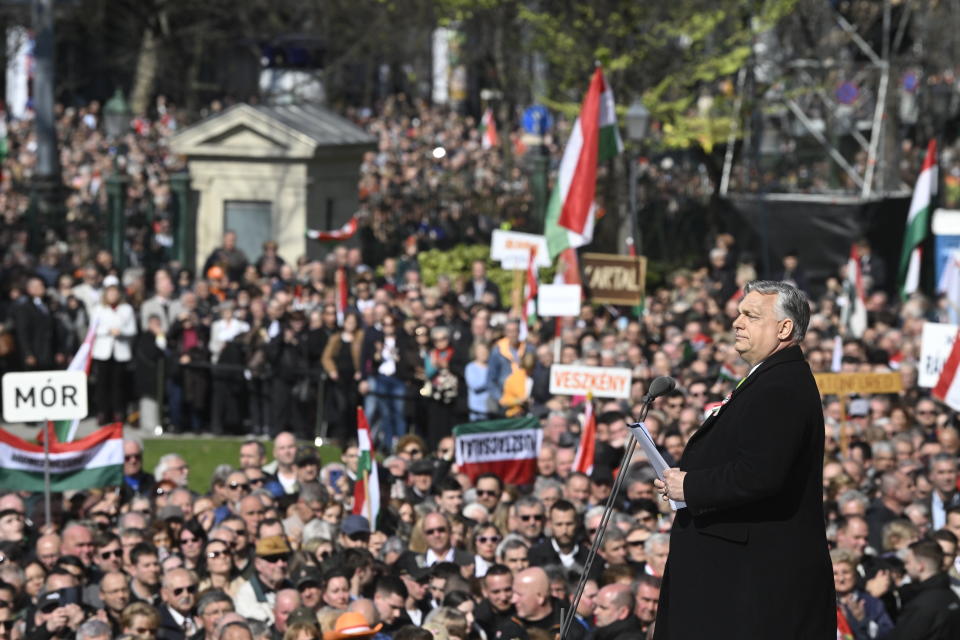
190 541
134 477
257 596
179 593
108 555
528 519
486 537
217 569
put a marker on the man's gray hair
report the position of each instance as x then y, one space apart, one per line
164 463
852 495
211 596
656 540
791 303
94 629
941 457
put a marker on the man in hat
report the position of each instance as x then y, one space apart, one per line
420 481
257 597
309 584
307 464
354 532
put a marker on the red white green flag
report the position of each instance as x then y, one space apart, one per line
366 491
488 130
66 430
595 138
918 222
529 314
91 462
855 313
507 447
343 293
586 450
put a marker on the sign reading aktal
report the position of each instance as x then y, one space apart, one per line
614 279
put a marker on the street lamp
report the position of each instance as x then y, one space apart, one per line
116 115
638 122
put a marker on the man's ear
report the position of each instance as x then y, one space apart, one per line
786 330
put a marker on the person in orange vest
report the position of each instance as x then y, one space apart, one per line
517 387
505 358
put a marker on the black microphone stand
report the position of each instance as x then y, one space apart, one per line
566 619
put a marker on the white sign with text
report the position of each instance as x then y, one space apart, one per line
37 396
512 249
558 300
602 382
935 344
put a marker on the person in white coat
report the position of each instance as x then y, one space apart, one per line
112 351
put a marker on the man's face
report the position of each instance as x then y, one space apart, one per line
78 542
614 551
212 615
914 566
588 602
953 524
648 599
605 613
178 472
272 569
546 461
115 592
516 559
563 524
565 457
757 331
147 570
906 489
252 512
132 458
422 481
307 473
451 501
943 476
853 537
488 493
926 413
285 448
657 558
499 591
437 531
577 490
351 458
110 557
389 606
531 521
618 433
250 456
180 591
415 589
526 598
555 426
285 606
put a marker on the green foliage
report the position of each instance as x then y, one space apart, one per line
457 263
679 56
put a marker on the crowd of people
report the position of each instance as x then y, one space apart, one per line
258 345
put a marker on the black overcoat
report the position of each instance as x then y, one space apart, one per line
748 556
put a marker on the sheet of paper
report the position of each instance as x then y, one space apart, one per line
653 455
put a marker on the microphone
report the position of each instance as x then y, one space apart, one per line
660 386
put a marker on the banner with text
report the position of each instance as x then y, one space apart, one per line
508 448
935 344
94 461
614 279
602 382
512 249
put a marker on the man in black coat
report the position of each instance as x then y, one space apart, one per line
931 610
748 553
39 334
614 614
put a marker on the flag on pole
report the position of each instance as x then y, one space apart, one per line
507 447
918 222
586 450
366 491
529 314
345 232
947 389
488 130
836 361
66 430
595 138
855 312
343 290
93 461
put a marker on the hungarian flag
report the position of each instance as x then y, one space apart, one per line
507 447
366 491
855 313
343 290
947 389
586 450
836 360
93 461
66 430
529 313
345 232
918 222
488 130
595 138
